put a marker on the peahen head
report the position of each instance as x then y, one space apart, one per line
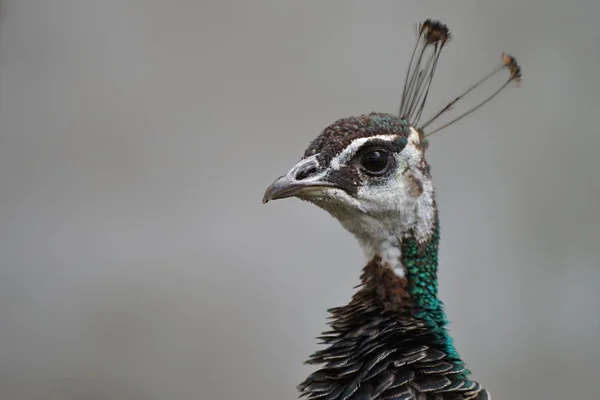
370 171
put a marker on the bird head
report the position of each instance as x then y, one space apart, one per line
370 171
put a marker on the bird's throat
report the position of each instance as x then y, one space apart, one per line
414 292
412 265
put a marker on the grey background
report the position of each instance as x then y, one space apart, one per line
137 138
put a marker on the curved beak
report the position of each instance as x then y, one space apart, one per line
284 187
302 180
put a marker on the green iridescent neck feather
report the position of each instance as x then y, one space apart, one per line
421 263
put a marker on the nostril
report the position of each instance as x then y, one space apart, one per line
303 174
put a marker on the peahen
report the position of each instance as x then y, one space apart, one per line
390 341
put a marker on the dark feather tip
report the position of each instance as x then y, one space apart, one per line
513 66
435 32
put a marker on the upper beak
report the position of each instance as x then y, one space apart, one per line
302 179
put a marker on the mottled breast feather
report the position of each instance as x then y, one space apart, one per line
389 343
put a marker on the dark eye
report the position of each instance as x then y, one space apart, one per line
375 161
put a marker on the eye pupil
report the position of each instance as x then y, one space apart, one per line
375 161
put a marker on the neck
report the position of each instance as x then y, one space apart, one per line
385 328
407 285
391 317
420 261
420 264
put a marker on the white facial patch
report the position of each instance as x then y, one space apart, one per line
394 200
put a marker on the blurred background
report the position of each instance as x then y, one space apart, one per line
137 138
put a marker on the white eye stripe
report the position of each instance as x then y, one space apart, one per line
414 136
354 146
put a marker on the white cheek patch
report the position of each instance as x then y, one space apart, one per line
340 195
353 147
395 200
